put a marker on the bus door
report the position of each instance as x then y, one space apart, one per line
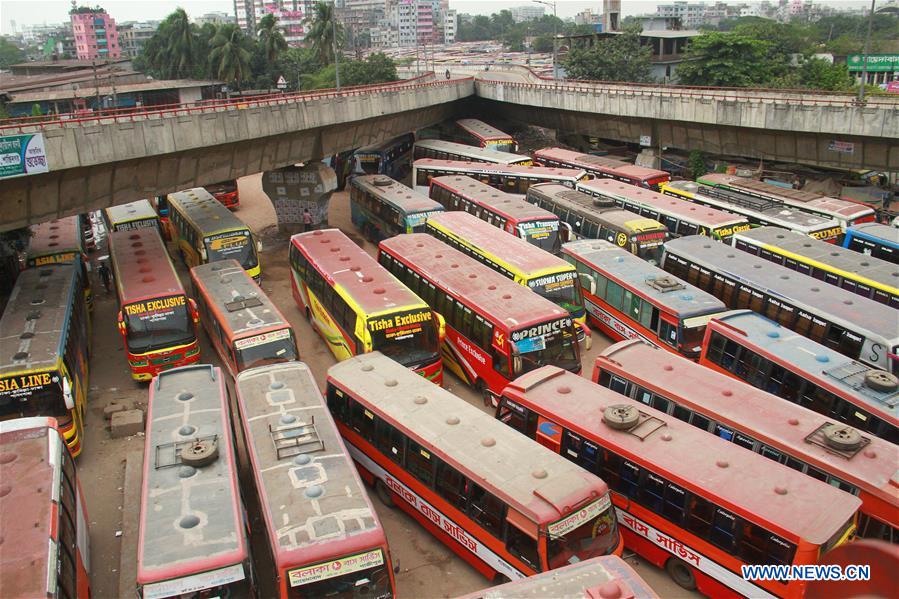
549 434
668 329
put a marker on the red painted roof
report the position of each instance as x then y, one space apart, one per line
482 130
590 162
142 266
509 205
487 168
54 236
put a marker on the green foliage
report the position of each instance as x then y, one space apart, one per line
615 58
229 57
322 25
296 62
271 40
172 51
36 110
817 73
728 60
501 26
543 43
10 54
696 166
377 68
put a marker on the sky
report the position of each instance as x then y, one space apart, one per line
37 12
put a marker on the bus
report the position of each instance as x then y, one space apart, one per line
348 556
45 348
139 214
505 505
495 330
87 231
843 211
587 217
156 319
681 218
450 150
857 327
226 192
875 239
389 158
357 306
547 275
597 577
59 241
758 211
507 211
205 231
483 135
514 178
749 347
863 275
192 533
42 514
381 207
698 506
828 450
244 326
629 298
603 167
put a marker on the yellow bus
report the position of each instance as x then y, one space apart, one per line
205 231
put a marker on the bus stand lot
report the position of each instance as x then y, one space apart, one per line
112 490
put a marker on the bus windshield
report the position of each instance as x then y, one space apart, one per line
650 252
589 532
502 145
561 289
32 394
371 583
550 343
267 348
542 233
410 338
416 220
156 324
237 245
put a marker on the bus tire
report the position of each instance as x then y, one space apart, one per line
499 579
681 573
383 493
484 392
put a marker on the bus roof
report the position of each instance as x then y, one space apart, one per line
588 206
205 212
819 362
508 205
137 210
874 270
662 289
403 198
484 448
142 265
475 152
235 295
777 422
187 404
32 326
878 231
679 451
485 168
355 271
26 505
54 236
482 129
708 217
848 309
295 515
489 292
604 163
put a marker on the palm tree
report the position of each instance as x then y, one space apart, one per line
271 40
229 59
178 49
322 26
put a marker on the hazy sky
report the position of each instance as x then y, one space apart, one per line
36 12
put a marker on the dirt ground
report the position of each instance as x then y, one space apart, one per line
427 568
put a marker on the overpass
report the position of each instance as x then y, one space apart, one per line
100 160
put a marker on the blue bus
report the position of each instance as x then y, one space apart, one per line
874 239
392 158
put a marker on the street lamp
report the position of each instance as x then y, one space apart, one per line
555 33
861 88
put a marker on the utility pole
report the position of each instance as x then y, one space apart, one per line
861 88
96 83
555 35
115 98
334 35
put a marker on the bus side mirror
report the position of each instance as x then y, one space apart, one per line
121 322
441 327
587 282
203 254
194 313
67 394
566 232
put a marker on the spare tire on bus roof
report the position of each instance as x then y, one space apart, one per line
881 380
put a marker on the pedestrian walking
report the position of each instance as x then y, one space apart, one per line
307 220
105 275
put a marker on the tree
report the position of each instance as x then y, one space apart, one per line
170 53
322 25
271 40
696 166
36 110
10 54
728 60
817 73
615 58
295 62
377 68
229 59
542 43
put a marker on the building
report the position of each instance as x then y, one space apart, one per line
214 18
360 16
96 36
290 13
134 36
527 13
450 24
587 17
611 15
691 14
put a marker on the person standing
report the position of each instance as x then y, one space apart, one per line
307 220
105 275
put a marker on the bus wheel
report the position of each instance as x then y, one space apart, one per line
484 391
383 493
681 573
500 579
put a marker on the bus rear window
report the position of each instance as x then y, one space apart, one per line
267 348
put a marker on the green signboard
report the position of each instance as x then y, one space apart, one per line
877 63
22 155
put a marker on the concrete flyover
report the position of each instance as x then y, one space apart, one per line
101 160
781 125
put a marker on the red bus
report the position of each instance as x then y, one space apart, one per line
157 320
226 193
629 298
192 536
603 166
759 351
511 178
698 506
495 329
46 552
310 559
357 306
806 441
603 577
507 506
486 136
245 327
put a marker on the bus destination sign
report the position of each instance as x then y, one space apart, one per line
338 567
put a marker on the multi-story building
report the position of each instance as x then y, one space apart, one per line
290 14
587 17
450 23
96 36
214 18
527 13
360 15
133 36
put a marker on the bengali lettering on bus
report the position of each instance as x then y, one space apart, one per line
338 567
155 310
227 243
399 326
585 514
24 385
262 339
613 323
538 229
193 584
